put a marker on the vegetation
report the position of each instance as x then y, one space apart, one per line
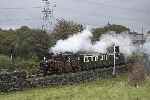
29 65
113 89
31 42
7 41
24 42
5 62
27 46
97 32
65 28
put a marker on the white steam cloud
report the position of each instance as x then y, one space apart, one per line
122 40
82 42
75 43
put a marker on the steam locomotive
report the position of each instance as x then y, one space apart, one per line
69 62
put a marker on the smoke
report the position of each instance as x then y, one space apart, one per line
82 42
122 40
75 43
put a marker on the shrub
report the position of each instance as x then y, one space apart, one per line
29 65
5 63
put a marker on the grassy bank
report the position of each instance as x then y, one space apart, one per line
113 89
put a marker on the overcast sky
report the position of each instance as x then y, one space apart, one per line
131 13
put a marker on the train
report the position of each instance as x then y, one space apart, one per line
83 61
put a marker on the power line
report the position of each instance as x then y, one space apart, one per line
19 8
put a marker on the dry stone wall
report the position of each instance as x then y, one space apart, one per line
19 81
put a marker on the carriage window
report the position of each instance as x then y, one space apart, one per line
102 57
92 58
106 56
96 58
86 59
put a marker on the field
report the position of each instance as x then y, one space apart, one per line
113 89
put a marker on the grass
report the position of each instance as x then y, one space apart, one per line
113 89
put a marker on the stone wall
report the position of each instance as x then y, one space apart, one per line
12 81
19 80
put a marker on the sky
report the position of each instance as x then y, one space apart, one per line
131 13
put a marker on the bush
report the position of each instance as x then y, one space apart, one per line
31 65
28 65
5 63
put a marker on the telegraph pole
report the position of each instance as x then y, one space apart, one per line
116 56
48 15
114 68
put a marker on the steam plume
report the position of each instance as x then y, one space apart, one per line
122 40
75 43
82 42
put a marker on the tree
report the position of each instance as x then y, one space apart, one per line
24 42
97 32
31 42
116 28
64 28
7 41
